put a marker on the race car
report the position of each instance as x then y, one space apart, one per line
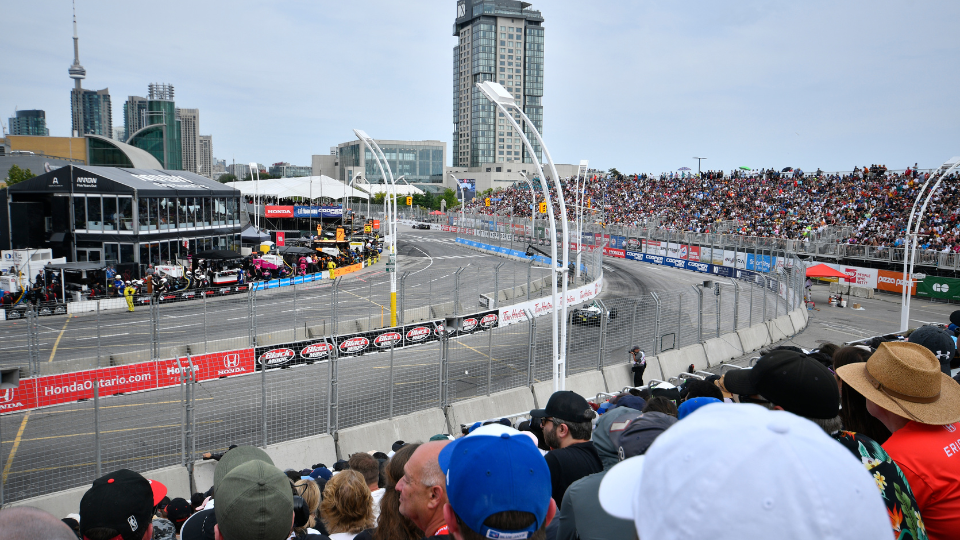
590 314
421 226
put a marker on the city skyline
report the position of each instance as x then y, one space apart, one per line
638 86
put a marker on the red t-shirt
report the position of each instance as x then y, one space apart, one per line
930 458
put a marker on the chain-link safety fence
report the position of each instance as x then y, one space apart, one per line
180 377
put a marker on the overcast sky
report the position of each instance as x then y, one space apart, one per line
638 85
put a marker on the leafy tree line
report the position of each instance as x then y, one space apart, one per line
16 175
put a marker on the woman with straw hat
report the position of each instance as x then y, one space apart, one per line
920 405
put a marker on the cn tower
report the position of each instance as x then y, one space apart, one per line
77 73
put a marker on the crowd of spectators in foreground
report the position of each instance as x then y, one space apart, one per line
854 442
872 203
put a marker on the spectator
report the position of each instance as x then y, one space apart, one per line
920 405
567 426
254 502
422 491
203 520
799 384
690 405
121 504
310 493
164 529
369 468
938 341
26 523
770 474
392 525
581 515
638 364
695 388
662 405
499 487
853 406
346 508
72 521
178 510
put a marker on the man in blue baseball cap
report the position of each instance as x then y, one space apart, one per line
497 487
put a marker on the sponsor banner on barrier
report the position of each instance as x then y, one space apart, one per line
676 251
674 262
337 272
613 252
741 260
939 287
697 266
724 271
893 282
70 387
634 255
654 259
859 276
729 258
278 211
618 242
634 244
517 313
19 399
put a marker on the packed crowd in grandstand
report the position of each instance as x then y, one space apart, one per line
857 442
871 203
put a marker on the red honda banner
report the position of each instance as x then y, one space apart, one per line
278 211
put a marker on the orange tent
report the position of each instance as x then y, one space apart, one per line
822 270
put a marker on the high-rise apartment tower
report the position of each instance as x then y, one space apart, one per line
502 41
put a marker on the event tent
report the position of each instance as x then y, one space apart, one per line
400 190
822 270
307 187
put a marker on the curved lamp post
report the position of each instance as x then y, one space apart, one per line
504 101
910 247
381 159
463 203
256 194
583 165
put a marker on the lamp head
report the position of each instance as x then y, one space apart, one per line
583 163
361 134
497 93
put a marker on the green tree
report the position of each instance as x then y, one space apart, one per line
378 198
450 196
614 172
227 178
16 175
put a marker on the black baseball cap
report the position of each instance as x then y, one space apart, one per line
641 433
122 501
200 526
566 405
937 340
791 380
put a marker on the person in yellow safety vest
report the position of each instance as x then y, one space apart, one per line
331 265
128 293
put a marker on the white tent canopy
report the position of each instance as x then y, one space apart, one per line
400 190
305 186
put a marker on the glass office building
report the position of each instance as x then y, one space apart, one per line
160 131
32 122
92 112
419 162
501 41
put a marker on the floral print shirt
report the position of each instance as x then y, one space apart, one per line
897 495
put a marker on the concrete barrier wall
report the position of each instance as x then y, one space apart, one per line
495 405
300 453
797 320
586 384
754 338
619 376
66 502
779 330
723 348
418 426
87 306
677 361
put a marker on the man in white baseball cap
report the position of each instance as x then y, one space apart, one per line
744 472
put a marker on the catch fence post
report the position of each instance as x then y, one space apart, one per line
717 292
531 346
699 291
656 323
96 423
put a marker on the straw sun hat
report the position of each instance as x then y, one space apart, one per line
905 379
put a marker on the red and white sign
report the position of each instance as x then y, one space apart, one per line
419 333
386 339
281 238
694 253
278 211
469 324
614 252
316 351
489 320
518 312
277 357
19 399
354 345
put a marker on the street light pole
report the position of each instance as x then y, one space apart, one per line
910 239
503 99
533 203
584 165
381 159
699 159
463 203
256 195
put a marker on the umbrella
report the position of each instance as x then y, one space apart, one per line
787 169
744 168
436 213
684 169
822 270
